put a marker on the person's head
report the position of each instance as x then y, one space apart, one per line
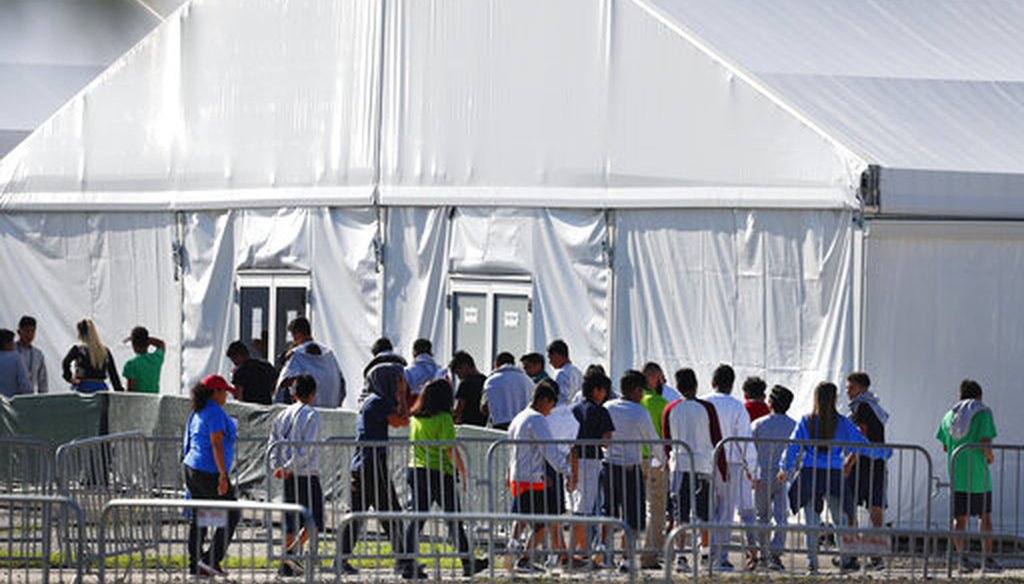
857 383
970 389
436 398
504 358
422 347
595 369
533 363
6 340
26 330
754 388
214 388
381 345
686 382
238 353
305 389
596 387
780 399
632 385
558 353
91 339
462 364
545 396
654 376
388 381
300 329
140 339
825 417
723 378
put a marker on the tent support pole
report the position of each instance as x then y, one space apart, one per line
609 259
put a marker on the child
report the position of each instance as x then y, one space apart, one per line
770 495
595 424
431 472
142 372
297 465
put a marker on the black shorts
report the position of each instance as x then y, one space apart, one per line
304 490
972 504
533 502
867 482
702 498
555 489
625 495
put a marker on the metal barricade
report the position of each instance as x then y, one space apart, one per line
42 539
646 495
383 480
235 549
985 485
246 470
25 466
763 508
436 553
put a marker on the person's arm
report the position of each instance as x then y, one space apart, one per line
115 379
551 452
24 386
157 344
41 379
65 365
217 442
792 451
460 406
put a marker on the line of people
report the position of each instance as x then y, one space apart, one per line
582 446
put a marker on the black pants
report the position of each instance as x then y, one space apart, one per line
372 488
431 486
203 485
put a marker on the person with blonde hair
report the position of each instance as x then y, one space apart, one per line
88 363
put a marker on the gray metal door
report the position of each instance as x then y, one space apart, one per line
511 324
469 329
255 319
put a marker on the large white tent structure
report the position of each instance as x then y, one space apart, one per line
800 188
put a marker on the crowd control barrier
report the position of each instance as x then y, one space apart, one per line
176 555
25 467
42 539
873 475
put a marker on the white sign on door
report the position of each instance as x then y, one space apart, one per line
470 315
257 322
511 319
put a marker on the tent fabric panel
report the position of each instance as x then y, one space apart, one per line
943 303
334 246
415 277
766 291
116 269
952 194
287 100
563 252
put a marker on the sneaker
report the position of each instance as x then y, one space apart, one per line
475 566
525 566
206 570
966 566
775 563
650 564
201 573
682 564
812 568
849 564
347 569
751 562
414 571
991 566
724 565
624 567
290 567
876 564
578 563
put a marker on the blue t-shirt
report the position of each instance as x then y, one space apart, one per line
372 426
595 422
198 448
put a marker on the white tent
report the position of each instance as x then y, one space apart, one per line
784 187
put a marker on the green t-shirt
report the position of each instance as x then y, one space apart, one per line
656 405
971 474
145 370
435 428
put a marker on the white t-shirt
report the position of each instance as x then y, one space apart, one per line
570 384
688 422
507 392
735 422
527 460
632 422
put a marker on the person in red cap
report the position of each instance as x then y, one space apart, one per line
209 447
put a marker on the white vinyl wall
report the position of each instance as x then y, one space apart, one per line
769 292
116 268
944 303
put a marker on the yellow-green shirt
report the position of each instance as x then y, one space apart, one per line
655 405
435 428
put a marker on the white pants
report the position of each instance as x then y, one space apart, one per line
731 496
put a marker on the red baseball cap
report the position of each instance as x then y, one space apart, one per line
216 382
